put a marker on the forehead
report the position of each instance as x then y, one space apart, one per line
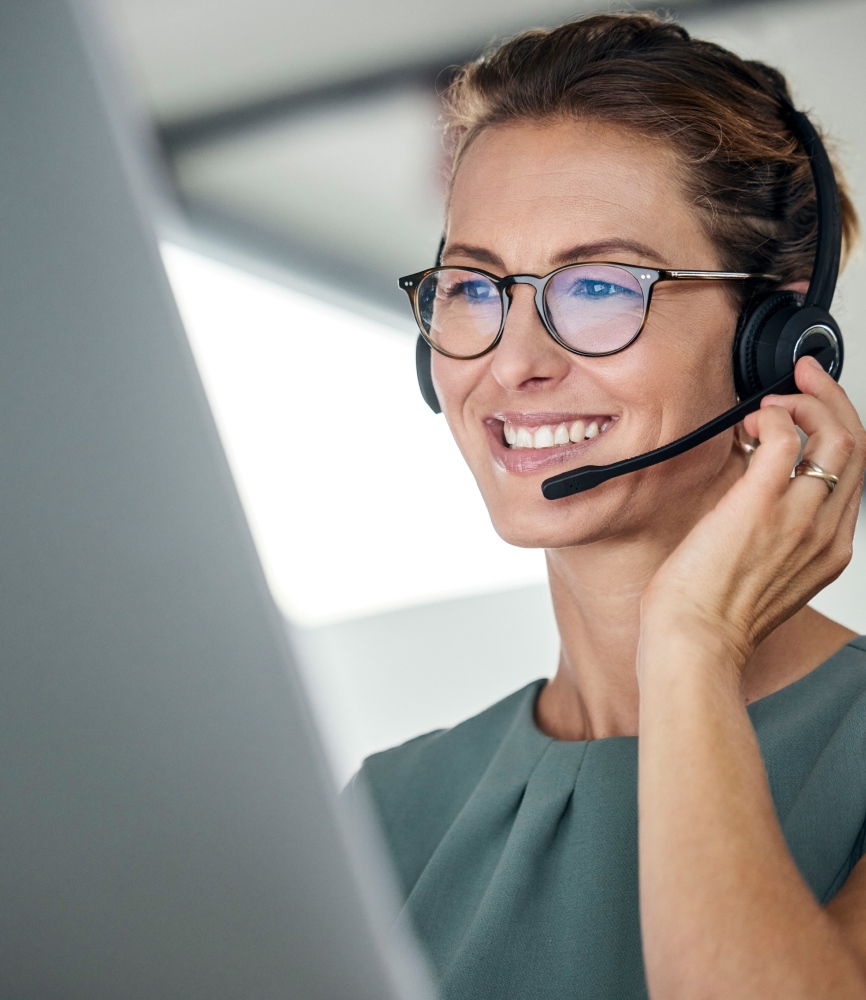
527 191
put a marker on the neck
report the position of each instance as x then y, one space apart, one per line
596 591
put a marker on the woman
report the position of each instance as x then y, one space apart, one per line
543 849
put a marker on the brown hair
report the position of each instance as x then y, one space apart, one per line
724 116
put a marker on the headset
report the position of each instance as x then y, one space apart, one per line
772 334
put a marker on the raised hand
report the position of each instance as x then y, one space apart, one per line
773 541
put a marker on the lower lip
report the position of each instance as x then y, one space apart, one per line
525 461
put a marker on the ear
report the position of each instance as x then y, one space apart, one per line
795 286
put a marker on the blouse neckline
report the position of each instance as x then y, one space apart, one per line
529 725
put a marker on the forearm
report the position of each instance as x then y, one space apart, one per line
724 910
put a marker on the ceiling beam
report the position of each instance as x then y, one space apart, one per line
224 124
182 136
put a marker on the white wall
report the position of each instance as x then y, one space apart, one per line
379 680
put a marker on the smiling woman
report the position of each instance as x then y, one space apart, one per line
680 810
619 191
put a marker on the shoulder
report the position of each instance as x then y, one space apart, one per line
812 736
853 654
418 788
820 701
445 764
852 663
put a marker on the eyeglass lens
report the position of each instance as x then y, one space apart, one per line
594 309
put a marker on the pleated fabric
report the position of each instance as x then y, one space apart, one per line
516 854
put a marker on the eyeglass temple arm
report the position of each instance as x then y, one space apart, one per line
715 276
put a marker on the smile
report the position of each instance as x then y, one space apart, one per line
554 435
527 443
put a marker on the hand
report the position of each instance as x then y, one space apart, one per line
772 542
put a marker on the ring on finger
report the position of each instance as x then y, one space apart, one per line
810 468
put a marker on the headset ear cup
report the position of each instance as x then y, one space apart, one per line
755 344
423 369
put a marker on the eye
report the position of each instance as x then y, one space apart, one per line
470 290
595 288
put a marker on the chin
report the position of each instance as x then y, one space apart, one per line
551 524
656 501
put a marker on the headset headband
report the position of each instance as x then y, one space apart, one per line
828 244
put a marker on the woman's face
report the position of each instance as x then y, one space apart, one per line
528 199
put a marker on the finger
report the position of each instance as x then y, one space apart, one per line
825 481
830 442
808 412
827 437
815 383
772 463
850 514
829 537
812 380
798 508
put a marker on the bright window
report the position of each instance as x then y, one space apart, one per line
357 496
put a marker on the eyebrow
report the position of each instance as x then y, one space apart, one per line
573 255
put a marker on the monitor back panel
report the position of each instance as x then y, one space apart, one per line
168 825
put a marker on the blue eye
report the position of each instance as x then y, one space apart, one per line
473 290
594 288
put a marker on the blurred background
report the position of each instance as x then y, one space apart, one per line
298 166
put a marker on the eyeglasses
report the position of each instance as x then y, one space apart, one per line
593 309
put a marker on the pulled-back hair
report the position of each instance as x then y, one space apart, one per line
724 117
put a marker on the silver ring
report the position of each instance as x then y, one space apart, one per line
809 468
746 447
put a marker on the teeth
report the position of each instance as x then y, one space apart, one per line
561 435
549 435
543 438
523 439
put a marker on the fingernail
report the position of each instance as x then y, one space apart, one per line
815 364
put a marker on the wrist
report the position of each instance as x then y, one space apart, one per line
676 645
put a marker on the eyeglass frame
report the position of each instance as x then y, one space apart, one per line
647 278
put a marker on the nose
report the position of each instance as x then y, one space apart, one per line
527 358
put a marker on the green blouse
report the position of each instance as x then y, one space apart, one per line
516 853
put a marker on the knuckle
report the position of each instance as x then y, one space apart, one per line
790 445
845 441
846 552
784 439
839 557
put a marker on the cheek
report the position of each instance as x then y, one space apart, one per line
454 382
687 350
674 377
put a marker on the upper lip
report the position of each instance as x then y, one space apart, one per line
540 419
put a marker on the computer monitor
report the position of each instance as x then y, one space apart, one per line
169 827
